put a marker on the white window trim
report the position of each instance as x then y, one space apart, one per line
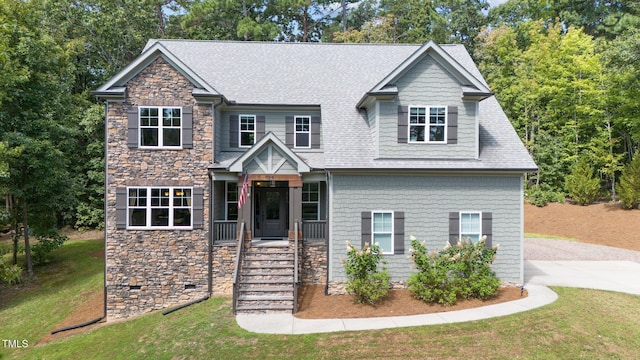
426 124
171 207
314 202
479 213
296 132
240 131
373 233
226 198
160 127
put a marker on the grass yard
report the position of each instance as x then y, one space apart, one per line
580 324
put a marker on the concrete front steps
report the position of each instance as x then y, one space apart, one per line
266 280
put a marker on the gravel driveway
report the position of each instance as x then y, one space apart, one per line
553 250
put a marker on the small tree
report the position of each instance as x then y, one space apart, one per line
582 186
365 281
629 187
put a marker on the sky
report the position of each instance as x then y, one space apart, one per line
495 3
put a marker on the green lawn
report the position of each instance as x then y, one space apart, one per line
580 324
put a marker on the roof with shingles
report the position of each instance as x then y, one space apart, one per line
336 77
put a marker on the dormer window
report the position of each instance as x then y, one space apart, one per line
427 124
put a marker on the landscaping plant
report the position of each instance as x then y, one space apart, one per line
366 281
456 272
629 187
582 186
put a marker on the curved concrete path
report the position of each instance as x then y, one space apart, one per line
618 276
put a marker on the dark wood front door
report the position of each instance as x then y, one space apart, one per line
271 212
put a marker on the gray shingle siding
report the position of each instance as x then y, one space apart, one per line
274 122
426 201
428 84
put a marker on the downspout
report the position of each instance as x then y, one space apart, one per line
209 279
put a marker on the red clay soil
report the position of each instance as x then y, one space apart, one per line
602 224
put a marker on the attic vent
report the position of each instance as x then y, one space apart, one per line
134 287
189 287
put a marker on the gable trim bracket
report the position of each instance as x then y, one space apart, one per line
238 165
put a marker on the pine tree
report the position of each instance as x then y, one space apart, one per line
629 187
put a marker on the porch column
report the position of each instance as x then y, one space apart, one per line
295 204
244 213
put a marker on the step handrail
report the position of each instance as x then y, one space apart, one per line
295 267
236 271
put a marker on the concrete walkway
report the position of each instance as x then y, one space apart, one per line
621 276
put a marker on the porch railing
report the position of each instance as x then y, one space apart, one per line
314 230
236 271
225 230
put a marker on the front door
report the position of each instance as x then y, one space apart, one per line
271 212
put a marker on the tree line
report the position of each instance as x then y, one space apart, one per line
565 72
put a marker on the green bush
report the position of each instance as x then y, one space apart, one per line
46 243
582 186
540 195
365 281
9 273
455 272
629 186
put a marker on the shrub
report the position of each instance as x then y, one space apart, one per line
629 186
365 281
581 185
9 273
461 271
46 243
540 196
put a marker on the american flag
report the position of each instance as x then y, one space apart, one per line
243 192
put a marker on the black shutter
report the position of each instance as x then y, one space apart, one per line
234 130
454 227
403 124
452 125
315 132
289 128
487 227
187 127
132 127
398 233
366 228
121 208
260 127
198 208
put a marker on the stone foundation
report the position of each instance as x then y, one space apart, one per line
313 259
223 258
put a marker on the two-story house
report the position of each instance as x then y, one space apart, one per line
214 144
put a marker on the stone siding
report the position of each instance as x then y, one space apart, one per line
154 269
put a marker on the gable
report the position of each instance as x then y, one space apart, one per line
428 81
269 156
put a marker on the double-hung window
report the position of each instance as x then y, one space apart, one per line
427 124
470 225
247 131
231 200
382 230
159 207
310 201
160 127
302 132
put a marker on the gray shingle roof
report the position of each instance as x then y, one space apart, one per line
336 76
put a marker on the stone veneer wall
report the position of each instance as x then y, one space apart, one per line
313 259
155 269
223 258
